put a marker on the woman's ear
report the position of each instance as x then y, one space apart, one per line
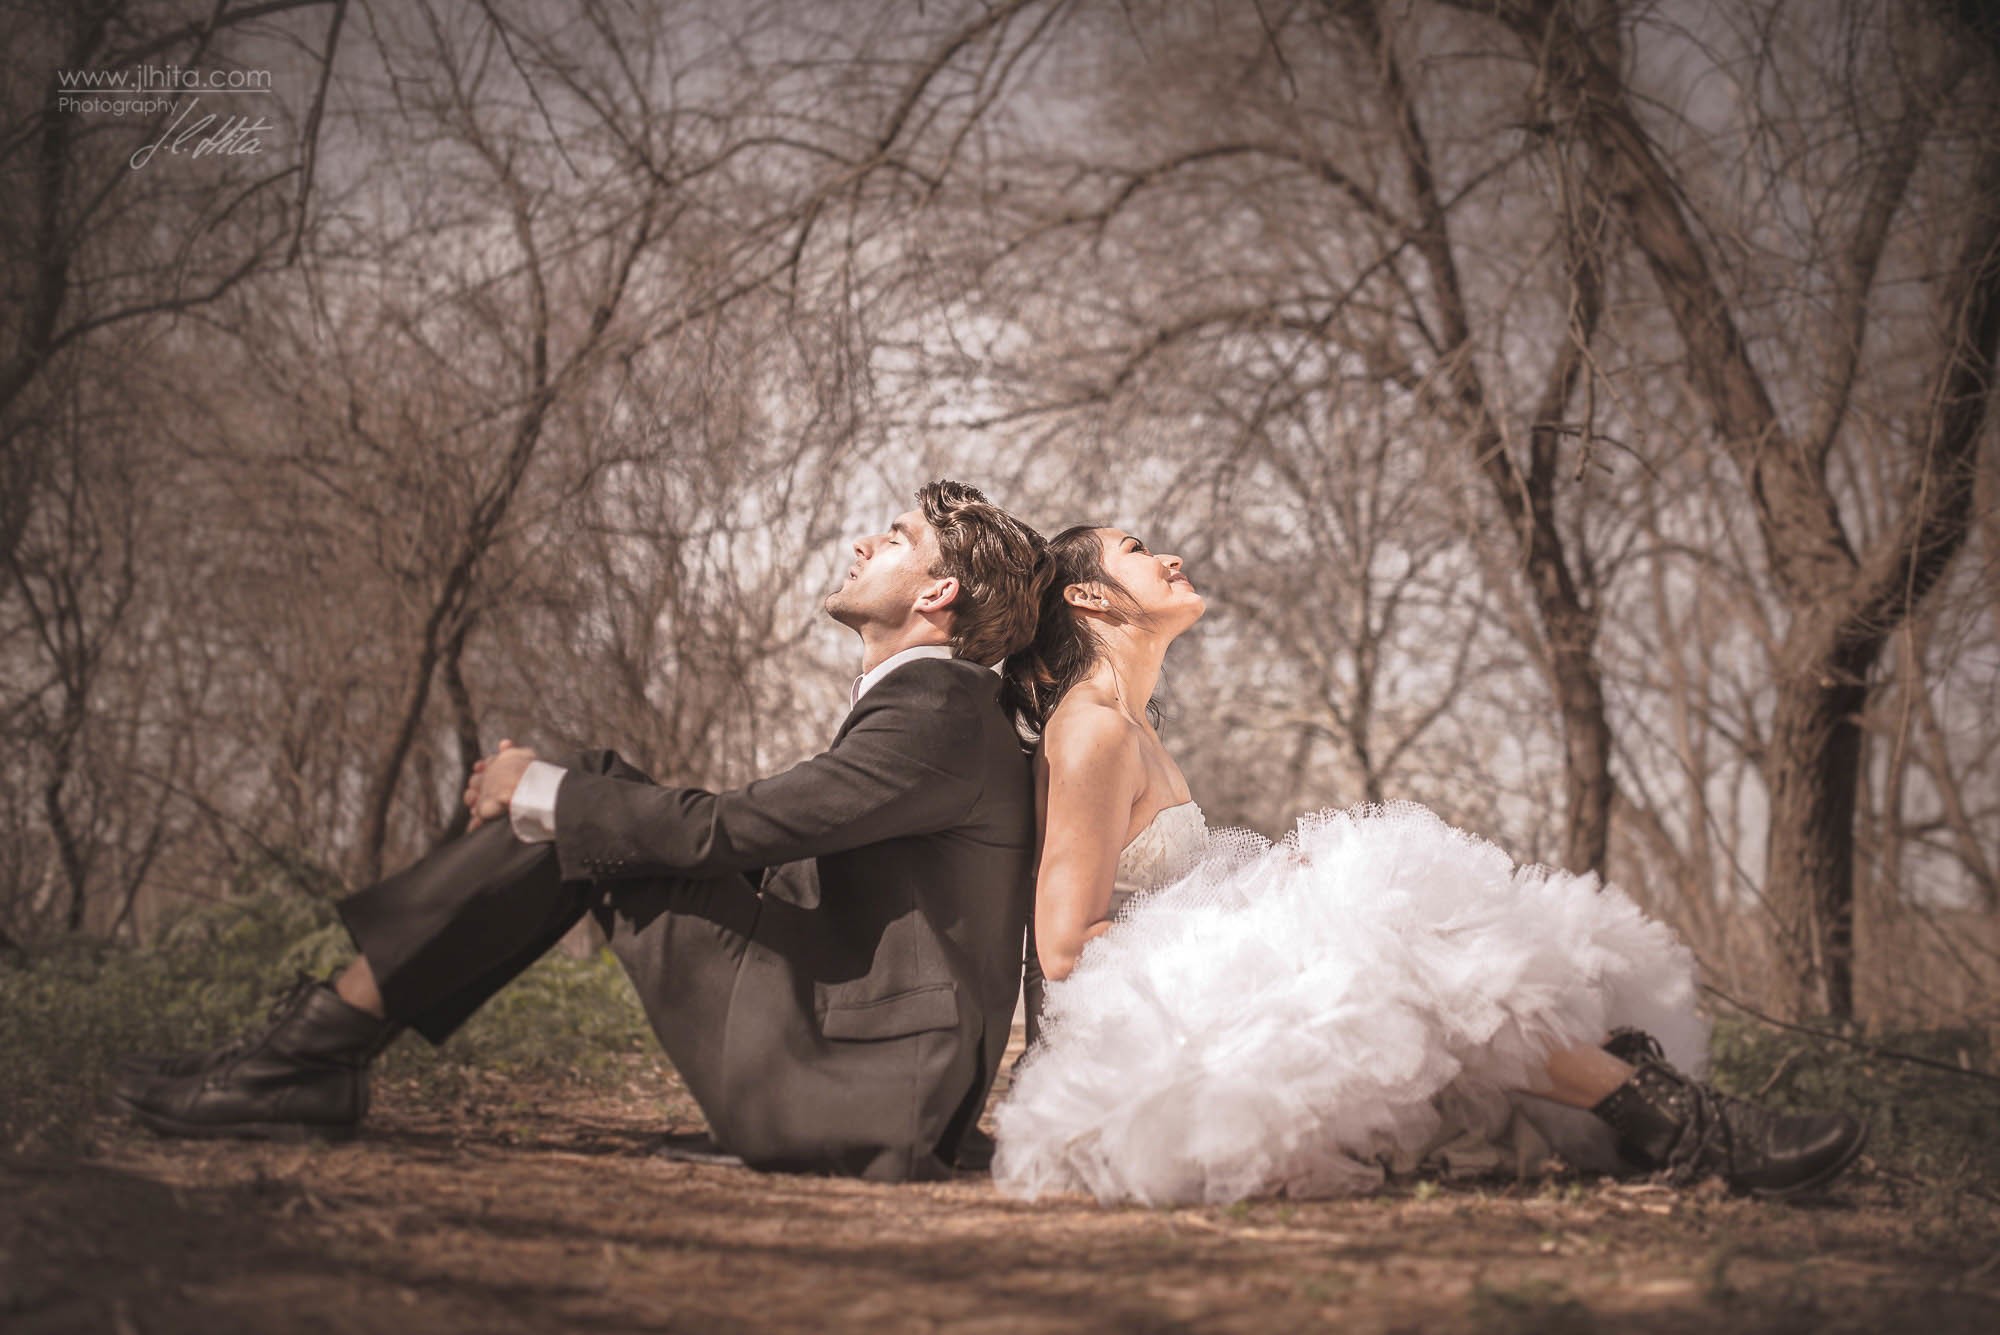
1083 595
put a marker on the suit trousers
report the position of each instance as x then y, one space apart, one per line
448 932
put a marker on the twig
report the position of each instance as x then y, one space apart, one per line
1777 1074
311 136
1869 1048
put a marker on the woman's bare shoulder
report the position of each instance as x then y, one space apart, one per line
1087 731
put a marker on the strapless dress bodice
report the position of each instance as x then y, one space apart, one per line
1163 852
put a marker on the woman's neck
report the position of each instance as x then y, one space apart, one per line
1130 667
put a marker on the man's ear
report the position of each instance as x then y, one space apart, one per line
940 596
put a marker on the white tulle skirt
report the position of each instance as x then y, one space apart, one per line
1288 1018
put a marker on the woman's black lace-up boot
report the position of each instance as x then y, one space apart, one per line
1686 1131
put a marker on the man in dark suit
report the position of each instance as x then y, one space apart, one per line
830 956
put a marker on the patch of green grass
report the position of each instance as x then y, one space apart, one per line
571 1017
68 1012
1931 1123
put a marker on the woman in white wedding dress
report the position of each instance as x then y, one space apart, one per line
1227 1018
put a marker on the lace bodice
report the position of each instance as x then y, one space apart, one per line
1161 853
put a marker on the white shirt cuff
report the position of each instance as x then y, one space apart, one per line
532 813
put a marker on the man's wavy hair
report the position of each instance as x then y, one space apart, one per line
999 565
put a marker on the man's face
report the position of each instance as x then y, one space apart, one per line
891 572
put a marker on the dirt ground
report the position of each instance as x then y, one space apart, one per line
521 1206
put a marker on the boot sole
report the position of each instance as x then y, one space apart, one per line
1819 1179
290 1132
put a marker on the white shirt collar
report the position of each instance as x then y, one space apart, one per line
866 681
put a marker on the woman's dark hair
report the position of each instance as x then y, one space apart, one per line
1065 647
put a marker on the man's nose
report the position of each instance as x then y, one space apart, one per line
864 547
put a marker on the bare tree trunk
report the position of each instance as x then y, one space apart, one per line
69 850
20 464
1814 764
467 723
1528 500
1844 604
448 620
1813 772
389 769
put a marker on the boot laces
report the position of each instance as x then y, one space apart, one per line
1635 1047
1707 1143
285 1002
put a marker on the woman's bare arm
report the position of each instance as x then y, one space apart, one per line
1095 775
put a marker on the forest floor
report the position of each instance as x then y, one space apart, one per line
516 1204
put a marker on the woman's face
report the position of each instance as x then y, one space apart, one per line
1165 596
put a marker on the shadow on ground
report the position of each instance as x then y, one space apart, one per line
545 1210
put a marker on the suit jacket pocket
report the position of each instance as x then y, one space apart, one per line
933 1006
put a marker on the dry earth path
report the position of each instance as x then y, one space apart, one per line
530 1207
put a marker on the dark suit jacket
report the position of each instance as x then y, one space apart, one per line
878 984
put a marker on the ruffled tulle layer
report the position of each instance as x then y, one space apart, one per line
1285 1018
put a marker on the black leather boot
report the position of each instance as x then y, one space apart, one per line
1679 1127
304 1077
1635 1047
143 1064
